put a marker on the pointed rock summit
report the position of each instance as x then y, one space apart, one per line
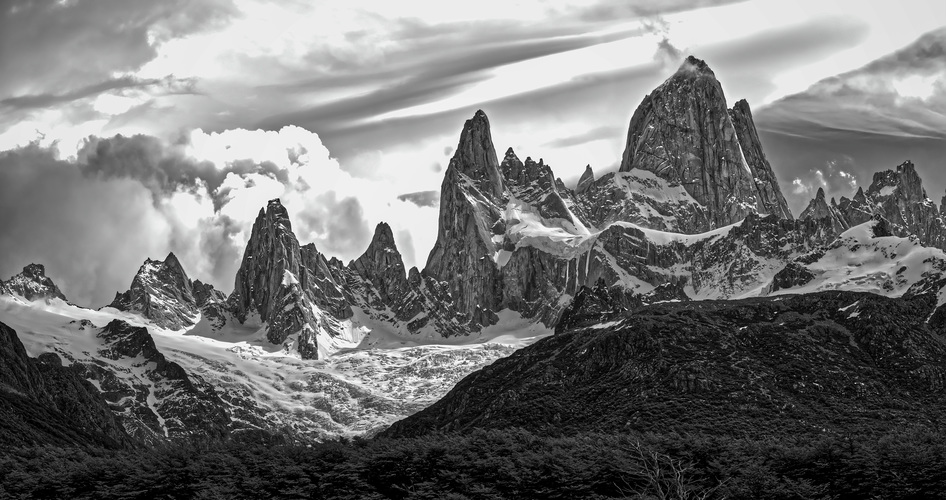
475 156
32 284
383 267
268 283
767 189
470 227
586 180
684 133
819 208
161 292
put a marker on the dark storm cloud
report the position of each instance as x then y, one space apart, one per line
336 226
609 96
422 198
92 234
745 66
52 47
163 169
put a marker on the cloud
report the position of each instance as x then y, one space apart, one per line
434 71
50 47
167 85
837 178
595 134
901 94
92 234
422 198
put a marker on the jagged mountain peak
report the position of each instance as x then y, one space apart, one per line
902 180
383 237
586 180
475 157
859 196
276 212
35 271
32 284
693 66
172 260
162 292
684 133
820 194
383 267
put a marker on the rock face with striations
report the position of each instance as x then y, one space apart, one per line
162 292
684 133
767 188
268 282
470 230
32 284
382 268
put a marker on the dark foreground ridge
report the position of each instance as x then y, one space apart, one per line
832 362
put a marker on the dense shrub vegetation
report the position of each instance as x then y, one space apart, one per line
495 464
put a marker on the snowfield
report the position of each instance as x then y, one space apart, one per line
355 391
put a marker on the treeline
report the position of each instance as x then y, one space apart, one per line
492 464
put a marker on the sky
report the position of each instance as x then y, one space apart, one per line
132 128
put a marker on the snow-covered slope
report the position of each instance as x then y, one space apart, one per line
866 258
263 387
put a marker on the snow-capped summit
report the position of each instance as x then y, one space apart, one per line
32 284
161 292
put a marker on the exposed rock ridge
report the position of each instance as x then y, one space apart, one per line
898 196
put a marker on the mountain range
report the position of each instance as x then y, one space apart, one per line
682 276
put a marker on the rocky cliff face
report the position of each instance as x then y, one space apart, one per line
461 266
587 179
896 195
382 269
268 285
43 402
32 284
767 188
162 292
683 133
